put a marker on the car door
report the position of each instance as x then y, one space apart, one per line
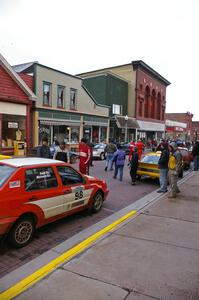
41 188
76 191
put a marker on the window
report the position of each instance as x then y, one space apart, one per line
46 94
60 96
117 109
5 173
40 178
73 99
69 176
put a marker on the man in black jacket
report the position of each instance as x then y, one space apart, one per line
163 165
195 153
44 149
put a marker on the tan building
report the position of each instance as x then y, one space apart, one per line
65 108
146 98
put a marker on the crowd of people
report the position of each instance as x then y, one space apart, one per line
170 162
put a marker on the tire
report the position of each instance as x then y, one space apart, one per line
97 202
102 156
22 232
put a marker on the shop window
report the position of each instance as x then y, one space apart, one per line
103 136
74 135
117 109
95 134
13 128
60 96
46 94
73 99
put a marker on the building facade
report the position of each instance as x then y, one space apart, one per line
65 109
146 101
183 118
16 104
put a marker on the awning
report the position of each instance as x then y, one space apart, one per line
131 123
59 123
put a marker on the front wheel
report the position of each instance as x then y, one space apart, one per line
97 203
22 232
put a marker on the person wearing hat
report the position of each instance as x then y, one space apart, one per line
175 166
163 165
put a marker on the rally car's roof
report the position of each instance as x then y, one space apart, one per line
29 161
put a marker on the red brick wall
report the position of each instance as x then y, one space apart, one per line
28 79
144 80
9 89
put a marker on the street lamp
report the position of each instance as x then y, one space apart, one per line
126 120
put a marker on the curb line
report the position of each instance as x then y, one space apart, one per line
24 284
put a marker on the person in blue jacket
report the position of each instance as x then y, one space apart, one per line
119 159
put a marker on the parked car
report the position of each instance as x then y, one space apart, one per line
72 154
126 148
37 191
4 156
186 156
148 165
99 151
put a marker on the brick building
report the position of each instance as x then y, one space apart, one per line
146 99
183 118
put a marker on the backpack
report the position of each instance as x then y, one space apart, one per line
172 162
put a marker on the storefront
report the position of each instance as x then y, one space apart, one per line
15 111
150 131
176 130
71 127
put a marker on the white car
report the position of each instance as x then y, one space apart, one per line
98 151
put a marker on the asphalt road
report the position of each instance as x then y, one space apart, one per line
121 194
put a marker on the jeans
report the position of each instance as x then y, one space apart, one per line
109 159
196 163
163 179
120 169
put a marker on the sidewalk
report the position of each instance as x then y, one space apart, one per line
152 256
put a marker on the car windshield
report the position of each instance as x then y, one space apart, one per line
5 172
99 146
150 159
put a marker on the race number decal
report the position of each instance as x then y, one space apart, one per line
79 194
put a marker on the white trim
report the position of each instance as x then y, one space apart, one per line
17 79
151 126
176 124
29 161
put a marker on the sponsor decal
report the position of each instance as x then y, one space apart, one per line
14 184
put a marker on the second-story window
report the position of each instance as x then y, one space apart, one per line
46 93
73 99
60 96
117 109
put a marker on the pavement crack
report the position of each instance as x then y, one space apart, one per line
166 217
155 241
97 279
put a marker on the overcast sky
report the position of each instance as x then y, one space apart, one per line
82 35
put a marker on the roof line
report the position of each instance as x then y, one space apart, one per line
99 70
90 95
18 79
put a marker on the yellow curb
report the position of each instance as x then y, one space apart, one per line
24 284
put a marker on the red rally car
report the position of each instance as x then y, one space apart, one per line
37 191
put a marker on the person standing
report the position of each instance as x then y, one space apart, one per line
163 165
195 153
140 147
110 149
131 149
44 150
84 157
134 166
119 159
175 166
62 153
